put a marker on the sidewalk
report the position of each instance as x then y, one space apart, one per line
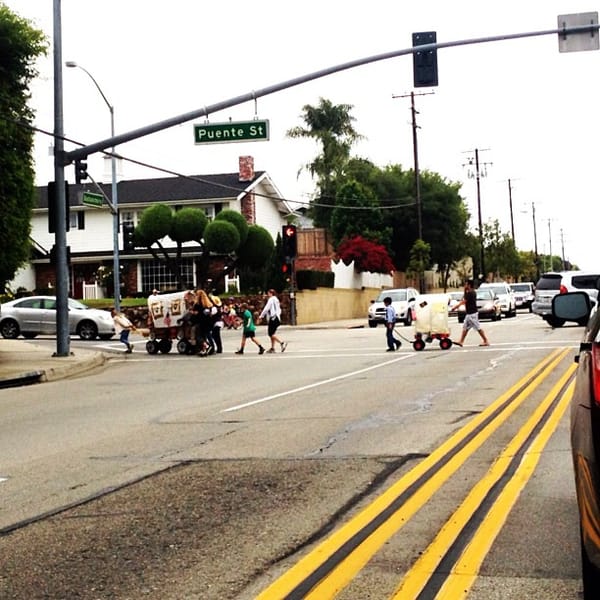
24 362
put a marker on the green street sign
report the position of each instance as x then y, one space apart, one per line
240 131
91 199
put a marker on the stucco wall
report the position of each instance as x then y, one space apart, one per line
331 304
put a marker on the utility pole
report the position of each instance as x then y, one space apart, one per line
512 223
535 246
414 113
480 171
562 249
550 245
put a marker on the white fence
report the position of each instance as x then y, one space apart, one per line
92 291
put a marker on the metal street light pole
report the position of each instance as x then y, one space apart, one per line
115 203
62 272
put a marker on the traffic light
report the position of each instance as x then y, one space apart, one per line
53 257
289 241
128 243
81 171
425 72
286 269
52 203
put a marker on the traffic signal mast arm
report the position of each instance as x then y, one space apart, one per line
103 145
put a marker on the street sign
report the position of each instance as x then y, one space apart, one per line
240 131
91 199
578 42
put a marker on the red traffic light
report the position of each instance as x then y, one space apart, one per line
289 241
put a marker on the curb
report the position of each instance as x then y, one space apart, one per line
97 359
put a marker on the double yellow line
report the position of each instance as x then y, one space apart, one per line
332 565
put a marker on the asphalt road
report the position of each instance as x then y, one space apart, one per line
335 468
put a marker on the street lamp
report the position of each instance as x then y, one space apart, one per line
115 202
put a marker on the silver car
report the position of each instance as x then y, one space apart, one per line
506 296
553 283
36 315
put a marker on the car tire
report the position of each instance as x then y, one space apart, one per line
408 320
9 329
461 319
554 322
372 324
87 330
590 574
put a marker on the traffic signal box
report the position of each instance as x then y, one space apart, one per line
289 241
128 242
81 173
52 204
425 71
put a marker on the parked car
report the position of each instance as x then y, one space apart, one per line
488 306
403 300
455 298
524 294
505 295
585 428
36 315
553 283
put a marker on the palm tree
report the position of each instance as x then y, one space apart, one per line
331 126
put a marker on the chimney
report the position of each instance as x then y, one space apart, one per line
246 168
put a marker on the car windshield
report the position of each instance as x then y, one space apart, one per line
396 295
520 287
76 305
485 294
497 289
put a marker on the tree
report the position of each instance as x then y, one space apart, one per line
20 45
367 255
357 212
221 237
419 262
331 126
501 256
444 214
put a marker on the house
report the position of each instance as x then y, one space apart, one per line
90 235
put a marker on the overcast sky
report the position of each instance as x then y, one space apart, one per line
530 110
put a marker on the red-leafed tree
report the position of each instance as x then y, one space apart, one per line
367 255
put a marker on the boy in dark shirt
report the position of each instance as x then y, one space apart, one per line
472 316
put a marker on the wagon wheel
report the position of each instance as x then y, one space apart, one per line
445 343
419 344
152 347
165 346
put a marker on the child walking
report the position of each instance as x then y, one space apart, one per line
249 330
122 327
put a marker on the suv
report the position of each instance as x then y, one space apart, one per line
562 282
523 294
403 299
506 296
